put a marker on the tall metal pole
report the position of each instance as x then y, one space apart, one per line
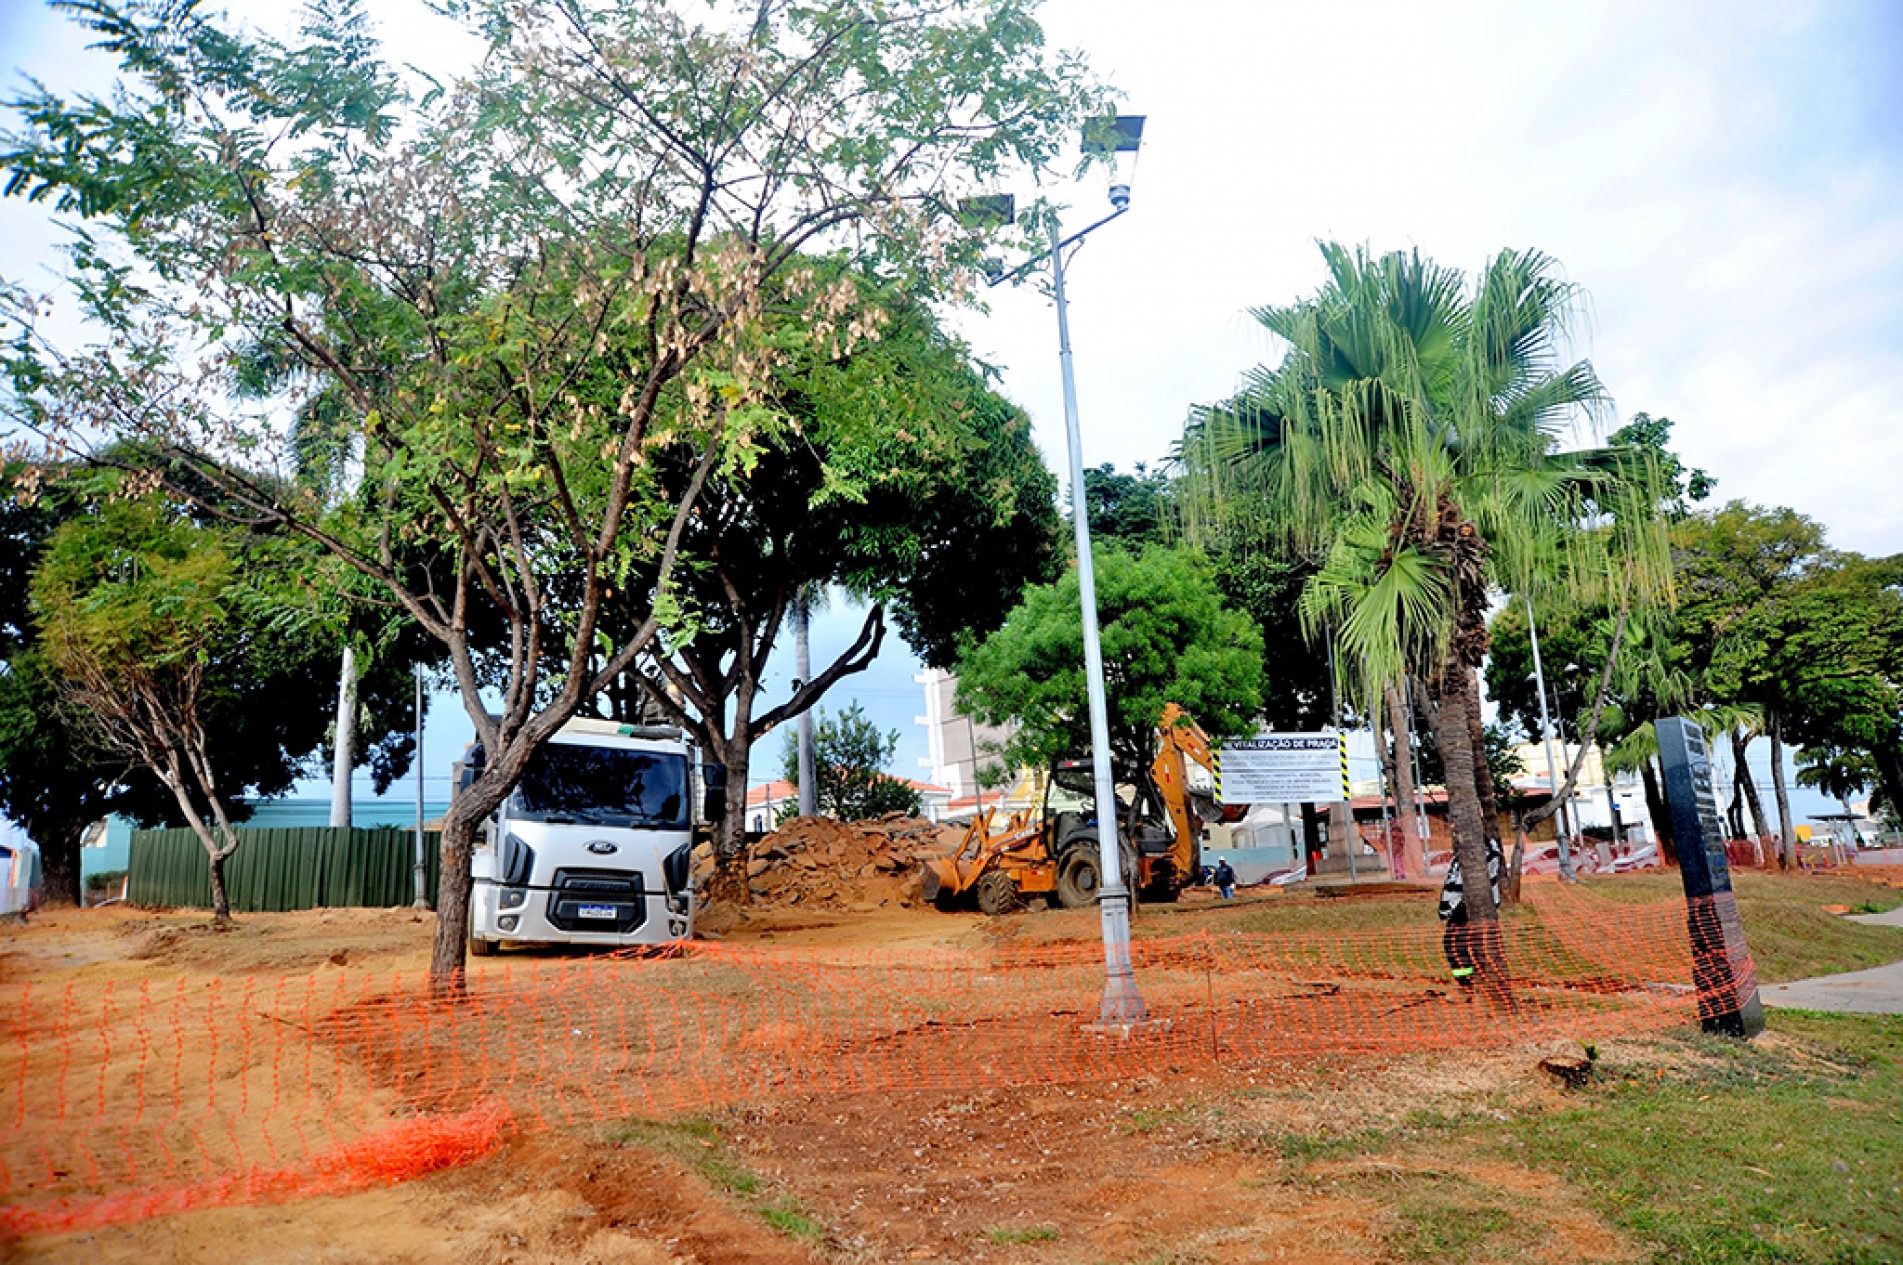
1420 791
1546 736
803 665
1396 866
977 787
1342 819
422 858
1122 1003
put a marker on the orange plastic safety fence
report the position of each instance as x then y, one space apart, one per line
123 1102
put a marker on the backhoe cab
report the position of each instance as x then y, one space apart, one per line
1053 852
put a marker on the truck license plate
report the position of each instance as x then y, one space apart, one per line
595 911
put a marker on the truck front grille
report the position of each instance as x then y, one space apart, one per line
597 900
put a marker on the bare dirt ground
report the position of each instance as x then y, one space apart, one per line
1318 1160
1257 1163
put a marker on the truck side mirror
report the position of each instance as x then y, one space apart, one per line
713 781
469 768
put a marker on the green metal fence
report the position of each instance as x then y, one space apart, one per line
275 870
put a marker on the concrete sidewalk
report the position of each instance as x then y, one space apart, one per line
1877 991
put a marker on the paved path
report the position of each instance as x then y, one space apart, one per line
1877 991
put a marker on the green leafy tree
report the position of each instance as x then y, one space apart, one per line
1409 445
1837 773
151 623
525 286
1166 636
56 781
1132 509
849 760
51 782
1819 659
1680 485
1736 569
950 514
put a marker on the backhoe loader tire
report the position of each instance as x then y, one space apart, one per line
997 893
483 948
1079 876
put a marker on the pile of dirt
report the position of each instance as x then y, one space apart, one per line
819 862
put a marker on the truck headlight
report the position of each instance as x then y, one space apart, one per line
514 898
508 922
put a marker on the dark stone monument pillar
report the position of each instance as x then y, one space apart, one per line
1727 980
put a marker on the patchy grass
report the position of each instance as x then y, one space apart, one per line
1032 1234
695 1141
1449 1222
1151 1119
1790 935
786 1216
1785 1149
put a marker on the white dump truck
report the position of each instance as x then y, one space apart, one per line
594 845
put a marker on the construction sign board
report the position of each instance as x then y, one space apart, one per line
1283 769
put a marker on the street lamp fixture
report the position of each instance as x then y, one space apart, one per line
1116 139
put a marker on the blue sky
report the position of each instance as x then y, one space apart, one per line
1723 179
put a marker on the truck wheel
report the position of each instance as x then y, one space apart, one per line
483 948
1078 879
997 893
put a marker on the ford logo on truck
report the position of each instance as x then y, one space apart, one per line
602 848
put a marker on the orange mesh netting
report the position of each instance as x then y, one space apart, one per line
118 1103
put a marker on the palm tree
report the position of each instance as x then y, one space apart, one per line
1410 441
1838 773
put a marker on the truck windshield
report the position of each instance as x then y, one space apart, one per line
604 786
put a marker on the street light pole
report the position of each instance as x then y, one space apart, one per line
1122 1003
1117 139
1546 735
421 874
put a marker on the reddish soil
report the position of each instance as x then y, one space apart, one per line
817 863
1252 1164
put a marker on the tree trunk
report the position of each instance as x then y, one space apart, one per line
1734 811
1740 747
731 854
1655 809
344 746
1465 812
468 812
170 768
61 865
1459 689
1403 783
1787 836
1890 772
220 899
461 825
1311 830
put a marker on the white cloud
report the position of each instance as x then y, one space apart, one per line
1710 173
1722 176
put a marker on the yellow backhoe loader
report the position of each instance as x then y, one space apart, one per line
1053 852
